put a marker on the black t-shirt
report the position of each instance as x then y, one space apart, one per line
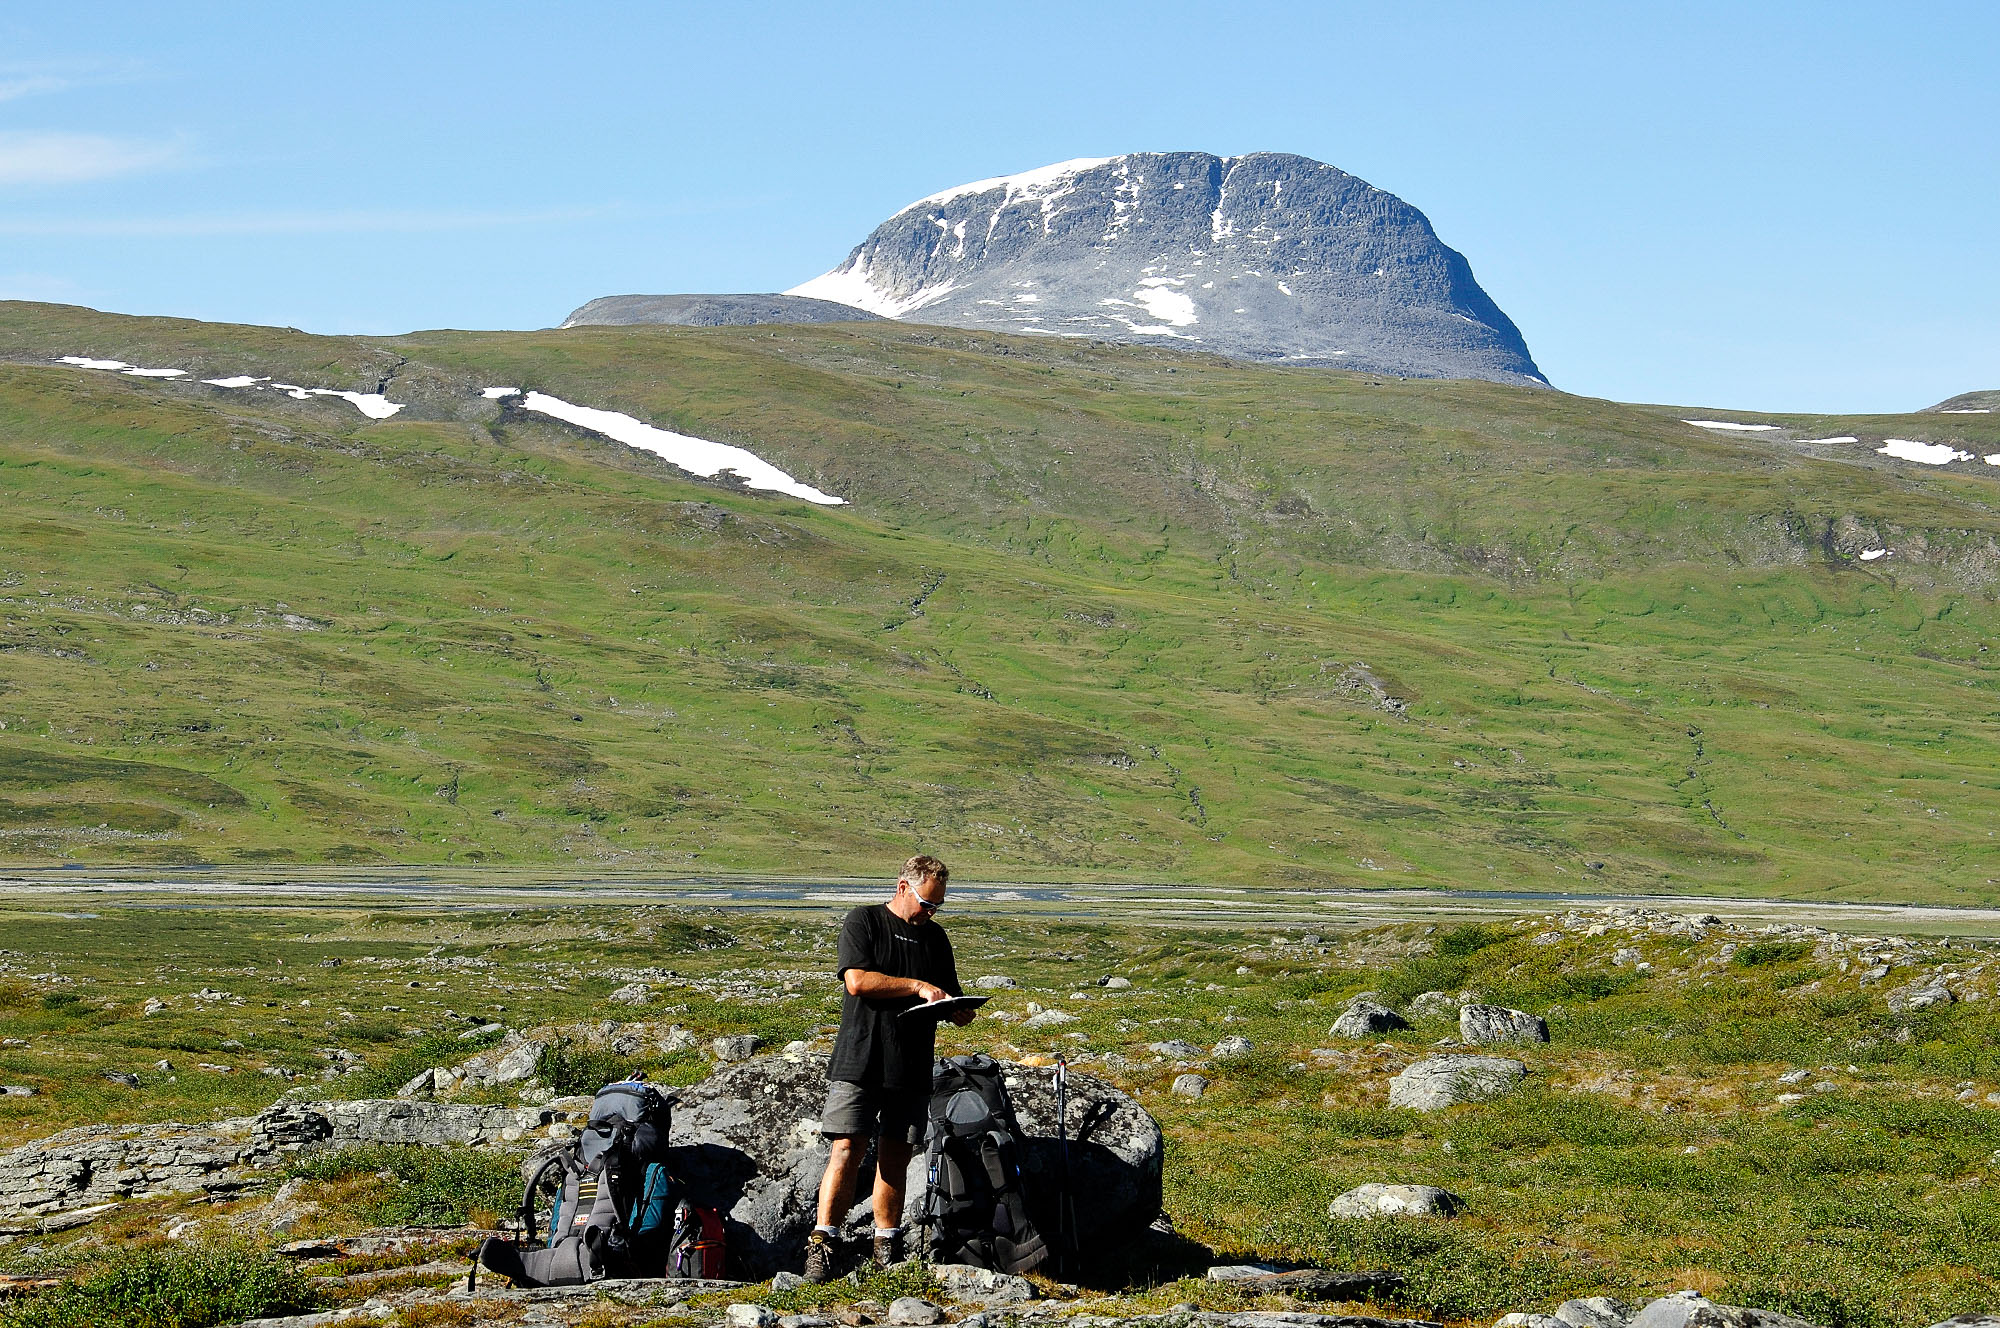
875 1048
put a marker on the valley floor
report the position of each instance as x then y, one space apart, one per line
1773 1113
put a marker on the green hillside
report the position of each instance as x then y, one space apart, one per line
1093 612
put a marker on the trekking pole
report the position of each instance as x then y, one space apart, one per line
1065 1212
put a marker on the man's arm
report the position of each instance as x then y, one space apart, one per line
880 986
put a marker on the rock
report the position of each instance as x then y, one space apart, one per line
1688 1310
420 1086
1189 1085
518 1065
1232 1048
1441 1081
741 1315
1241 1272
747 1142
484 1030
912 1312
1176 1050
16 1090
1115 984
1527 1321
1594 1312
1366 1019
786 1280
1048 1019
740 1047
632 993
982 1285
1918 996
1378 1200
153 1005
1482 1025
121 1077
1970 1321
995 982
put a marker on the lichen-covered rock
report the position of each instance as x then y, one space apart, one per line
965 1282
740 1047
1176 1049
1442 1081
747 1141
1918 996
1483 1025
1232 1048
1189 1085
1376 1199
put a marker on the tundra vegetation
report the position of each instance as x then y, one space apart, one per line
1778 1117
1091 613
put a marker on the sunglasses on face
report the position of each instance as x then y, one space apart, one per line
923 903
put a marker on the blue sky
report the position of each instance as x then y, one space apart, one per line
1777 206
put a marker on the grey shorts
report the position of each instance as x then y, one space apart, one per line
858 1111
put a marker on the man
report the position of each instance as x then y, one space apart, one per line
893 957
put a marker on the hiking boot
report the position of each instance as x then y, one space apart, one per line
819 1258
888 1250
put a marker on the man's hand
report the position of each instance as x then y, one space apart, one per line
930 993
962 1017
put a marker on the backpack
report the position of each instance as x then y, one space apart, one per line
975 1209
613 1205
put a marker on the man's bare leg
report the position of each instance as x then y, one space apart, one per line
892 1167
836 1187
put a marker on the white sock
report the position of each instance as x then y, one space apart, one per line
887 1231
827 1230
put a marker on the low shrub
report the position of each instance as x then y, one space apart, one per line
425 1187
1460 942
572 1067
170 1286
386 1074
1759 953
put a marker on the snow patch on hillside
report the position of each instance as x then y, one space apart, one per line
119 366
697 456
850 284
496 393
1843 438
1928 454
1870 555
1728 425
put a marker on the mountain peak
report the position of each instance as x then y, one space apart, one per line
1265 256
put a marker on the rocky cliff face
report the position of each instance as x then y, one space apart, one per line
712 311
1263 257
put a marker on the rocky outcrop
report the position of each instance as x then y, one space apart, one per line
101 1163
1482 1025
1442 1081
713 311
747 1141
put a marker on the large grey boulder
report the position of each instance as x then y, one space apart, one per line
1594 1312
1483 1025
747 1141
1366 1019
1918 996
1376 1199
1442 1081
1688 1310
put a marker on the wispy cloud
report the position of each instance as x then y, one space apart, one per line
44 157
335 222
15 86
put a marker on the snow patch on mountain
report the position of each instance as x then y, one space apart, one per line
119 366
1728 425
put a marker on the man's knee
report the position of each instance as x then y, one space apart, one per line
842 1149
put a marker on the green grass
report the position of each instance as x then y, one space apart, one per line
1647 1151
1094 613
